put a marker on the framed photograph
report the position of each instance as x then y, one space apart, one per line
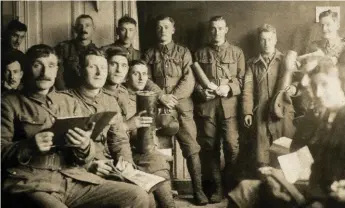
320 9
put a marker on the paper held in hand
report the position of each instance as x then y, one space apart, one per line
147 181
296 166
281 146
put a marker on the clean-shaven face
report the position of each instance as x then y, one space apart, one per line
118 69
138 77
329 27
165 30
218 30
96 71
268 41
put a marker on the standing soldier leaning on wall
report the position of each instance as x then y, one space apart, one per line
224 65
69 52
169 67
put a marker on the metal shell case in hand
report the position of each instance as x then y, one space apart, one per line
147 100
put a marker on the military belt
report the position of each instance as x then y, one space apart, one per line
219 82
54 161
167 81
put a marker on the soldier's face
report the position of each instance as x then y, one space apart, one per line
268 41
96 71
138 77
44 70
218 30
327 90
165 29
13 75
84 28
118 69
126 32
329 27
16 38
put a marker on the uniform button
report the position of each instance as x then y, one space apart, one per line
53 119
14 172
60 168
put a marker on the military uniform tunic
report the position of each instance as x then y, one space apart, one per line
23 115
222 64
169 68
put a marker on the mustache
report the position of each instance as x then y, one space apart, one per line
44 79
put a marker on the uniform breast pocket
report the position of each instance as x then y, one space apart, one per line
31 126
176 67
230 66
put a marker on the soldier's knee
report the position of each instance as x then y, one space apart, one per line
141 199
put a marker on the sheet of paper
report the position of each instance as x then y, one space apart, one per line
283 141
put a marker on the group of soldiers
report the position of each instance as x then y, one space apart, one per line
79 79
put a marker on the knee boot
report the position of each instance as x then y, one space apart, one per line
217 195
194 169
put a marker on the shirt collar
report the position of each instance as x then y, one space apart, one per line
169 46
89 100
226 44
277 55
120 44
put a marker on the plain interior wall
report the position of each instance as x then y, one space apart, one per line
295 22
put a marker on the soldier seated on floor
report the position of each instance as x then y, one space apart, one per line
324 136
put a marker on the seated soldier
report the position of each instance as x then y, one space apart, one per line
11 72
32 164
154 162
324 134
113 143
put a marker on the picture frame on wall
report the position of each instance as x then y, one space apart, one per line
320 9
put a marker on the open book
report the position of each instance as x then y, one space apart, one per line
147 181
62 125
296 166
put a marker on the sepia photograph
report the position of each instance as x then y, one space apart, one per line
172 104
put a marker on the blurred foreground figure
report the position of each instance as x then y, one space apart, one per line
322 130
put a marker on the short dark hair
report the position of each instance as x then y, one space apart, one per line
84 16
16 25
10 58
38 51
136 62
89 52
116 51
217 18
126 19
266 28
327 13
163 17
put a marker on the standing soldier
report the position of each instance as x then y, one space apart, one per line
69 52
224 65
127 29
263 79
169 67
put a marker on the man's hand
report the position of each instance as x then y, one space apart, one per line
141 121
79 138
44 141
169 100
208 94
248 120
100 168
291 90
338 190
223 90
